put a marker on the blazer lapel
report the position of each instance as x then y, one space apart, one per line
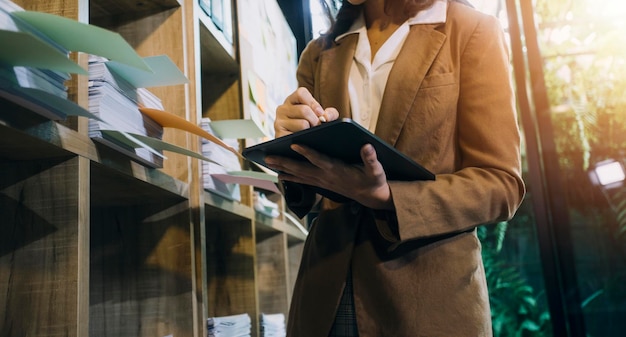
335 64
418 53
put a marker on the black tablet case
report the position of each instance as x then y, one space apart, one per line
341 139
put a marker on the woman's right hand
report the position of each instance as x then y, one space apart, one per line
301 111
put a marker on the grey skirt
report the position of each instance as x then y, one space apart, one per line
345 319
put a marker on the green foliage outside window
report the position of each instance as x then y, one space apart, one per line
583 47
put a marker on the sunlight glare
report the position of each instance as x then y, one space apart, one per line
610 173
611 9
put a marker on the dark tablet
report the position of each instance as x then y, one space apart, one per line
341 139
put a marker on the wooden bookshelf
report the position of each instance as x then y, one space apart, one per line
93 243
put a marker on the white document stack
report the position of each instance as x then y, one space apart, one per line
273 325
117 103
229 326
227 160
14 79
263 205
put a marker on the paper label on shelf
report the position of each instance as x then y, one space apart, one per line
252 178
236 129
78 36
165 72
156 144
38 99
24 49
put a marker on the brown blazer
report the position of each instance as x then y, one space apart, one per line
450 106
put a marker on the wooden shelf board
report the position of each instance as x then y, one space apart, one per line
271 253
135 184
220 68
266 223
107 13
218 54
218 208
25 135
16 145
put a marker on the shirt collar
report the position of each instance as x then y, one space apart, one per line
436 13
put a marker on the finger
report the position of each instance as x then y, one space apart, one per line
371 165
285 126
300 105
303 96
315 158
293 118
330 114
293 170
295 111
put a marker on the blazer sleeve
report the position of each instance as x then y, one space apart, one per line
486 184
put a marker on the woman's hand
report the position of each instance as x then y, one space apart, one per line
365 184
301 111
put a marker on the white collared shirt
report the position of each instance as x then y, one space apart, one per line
368 77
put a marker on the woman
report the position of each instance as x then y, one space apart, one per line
430 77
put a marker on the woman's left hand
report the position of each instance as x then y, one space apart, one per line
365 184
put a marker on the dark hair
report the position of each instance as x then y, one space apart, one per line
349 12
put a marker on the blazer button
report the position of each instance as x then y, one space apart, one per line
355 207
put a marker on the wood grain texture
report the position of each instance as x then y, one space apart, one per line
42 234
103 12
141 281
73 9
271 250
219 72
294 254
196 199
112 186
84 245
225 106
231 285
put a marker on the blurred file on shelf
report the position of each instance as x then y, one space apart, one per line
273 325
154 143
263 205
26 50
229 326
222 161
222 174
165 72
32 66
261 180
237 129
82 37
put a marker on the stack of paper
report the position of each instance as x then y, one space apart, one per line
34 66
26 82
263 205
229 326
115 101
273 325
227 160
